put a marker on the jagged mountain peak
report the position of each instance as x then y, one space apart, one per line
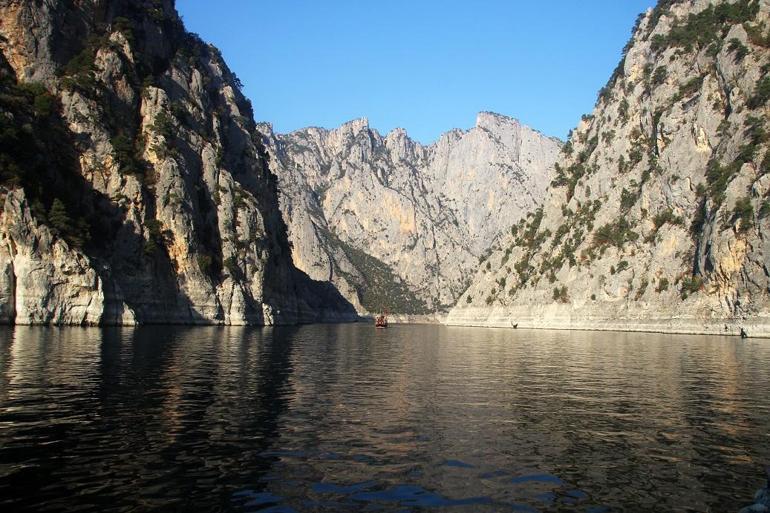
414 217
354 126
492 120
397 133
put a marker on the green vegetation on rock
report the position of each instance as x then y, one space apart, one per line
560 294
743 213
617 233
379 288
700 29
35 154
761 93
690 285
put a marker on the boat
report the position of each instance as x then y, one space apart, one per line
381 321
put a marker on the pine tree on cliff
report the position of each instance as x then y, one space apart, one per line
58 217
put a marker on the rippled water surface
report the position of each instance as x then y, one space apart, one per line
349 418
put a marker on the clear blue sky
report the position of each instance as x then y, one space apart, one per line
423 65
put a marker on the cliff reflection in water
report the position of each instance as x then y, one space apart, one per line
343 417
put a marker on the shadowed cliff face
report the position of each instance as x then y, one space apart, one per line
400 226
658 215
154 202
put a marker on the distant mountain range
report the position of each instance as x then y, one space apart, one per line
397 225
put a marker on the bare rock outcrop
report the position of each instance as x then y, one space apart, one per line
135 185
658 217
398 225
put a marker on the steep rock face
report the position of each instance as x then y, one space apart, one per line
135 187
43 280
398 225
658 216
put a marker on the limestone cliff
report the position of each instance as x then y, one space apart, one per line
658 218
134 186
398 225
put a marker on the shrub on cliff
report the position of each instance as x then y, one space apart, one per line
738 49
628 199
204 263
58 217
667 216
659 76
125 155
761 94
43 102
74 232
764 210
690 285
717 178
231 264
616 234
757 35
689 88
743 213
560 294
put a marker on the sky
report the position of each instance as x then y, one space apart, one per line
423 65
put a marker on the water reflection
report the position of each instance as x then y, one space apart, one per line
347 418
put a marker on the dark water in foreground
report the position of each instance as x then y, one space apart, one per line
348 418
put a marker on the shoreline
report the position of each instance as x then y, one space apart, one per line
755 327
437 318
604 329
644 318
754 331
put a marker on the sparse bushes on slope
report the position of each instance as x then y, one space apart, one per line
656 118
738 49
616 234
757 35
379 287
743 213
700 29
689 88
761 93
667 216
691 285
570 176
560 294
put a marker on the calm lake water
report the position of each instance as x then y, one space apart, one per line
349 418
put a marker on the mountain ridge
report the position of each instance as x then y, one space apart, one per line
268 126
438 231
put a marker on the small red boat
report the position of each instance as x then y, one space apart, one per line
381 321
